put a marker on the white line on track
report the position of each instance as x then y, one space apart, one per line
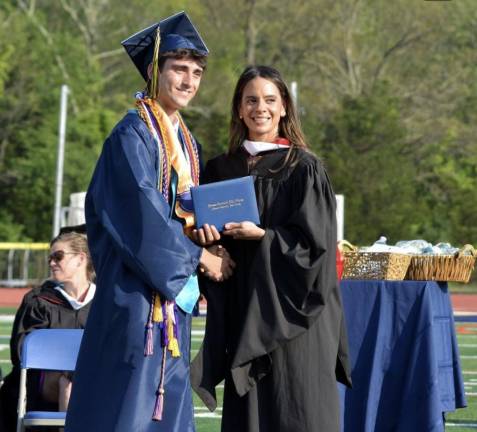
198 332
206 409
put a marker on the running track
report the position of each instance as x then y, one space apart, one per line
463 304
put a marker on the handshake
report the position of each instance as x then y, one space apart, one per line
215 262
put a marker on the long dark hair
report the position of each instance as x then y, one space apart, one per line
289 126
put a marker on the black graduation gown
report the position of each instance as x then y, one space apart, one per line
42 307
275 330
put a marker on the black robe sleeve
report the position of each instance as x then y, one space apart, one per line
292 273
31 315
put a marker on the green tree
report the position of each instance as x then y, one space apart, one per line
362 149
386 96
30 112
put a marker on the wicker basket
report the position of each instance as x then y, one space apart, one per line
455 268
375 265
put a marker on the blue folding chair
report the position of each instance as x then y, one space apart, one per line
46 349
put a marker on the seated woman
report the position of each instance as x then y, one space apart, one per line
63 301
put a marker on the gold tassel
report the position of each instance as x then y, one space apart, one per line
174 348
173 345
157 311
155 65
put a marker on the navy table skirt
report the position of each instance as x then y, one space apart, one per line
404 356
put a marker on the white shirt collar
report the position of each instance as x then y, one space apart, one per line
255 147
75 304
176 125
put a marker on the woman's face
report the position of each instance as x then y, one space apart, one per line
261 108
63 262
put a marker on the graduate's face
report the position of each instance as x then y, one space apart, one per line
178 83
64 263
261 108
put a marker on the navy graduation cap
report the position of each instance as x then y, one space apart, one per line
177 32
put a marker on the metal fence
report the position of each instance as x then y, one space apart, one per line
23 264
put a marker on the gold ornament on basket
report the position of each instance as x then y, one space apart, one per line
373 265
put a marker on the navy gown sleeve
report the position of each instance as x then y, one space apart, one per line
124 201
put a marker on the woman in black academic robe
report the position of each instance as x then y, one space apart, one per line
63 301
275 329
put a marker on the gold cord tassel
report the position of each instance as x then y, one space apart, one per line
173 346
157 309
155 65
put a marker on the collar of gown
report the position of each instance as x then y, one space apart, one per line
255 147
75 304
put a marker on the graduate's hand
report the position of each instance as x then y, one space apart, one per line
216 264
206 235
219 250
243 231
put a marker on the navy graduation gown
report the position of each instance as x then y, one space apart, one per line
136 248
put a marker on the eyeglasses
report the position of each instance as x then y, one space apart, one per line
59 255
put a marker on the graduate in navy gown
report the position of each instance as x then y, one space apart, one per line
133 367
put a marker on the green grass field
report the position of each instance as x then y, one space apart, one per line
205 420
462 288
463 420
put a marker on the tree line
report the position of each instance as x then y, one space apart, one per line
387 94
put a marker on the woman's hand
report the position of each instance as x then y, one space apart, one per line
206 235
243 231
216 264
